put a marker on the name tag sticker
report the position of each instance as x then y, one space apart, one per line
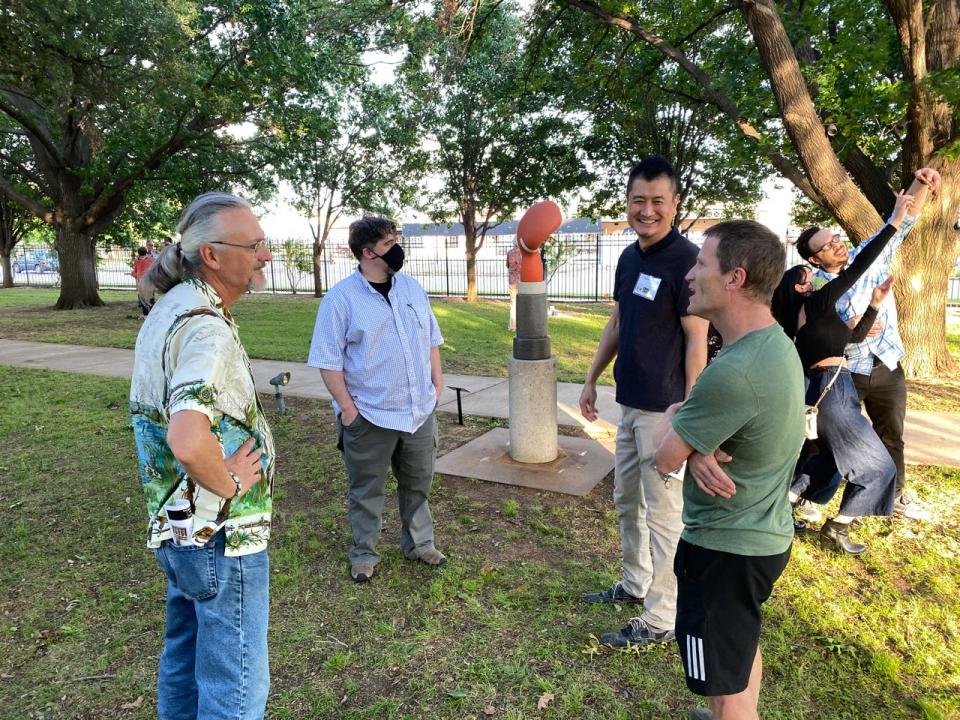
646 286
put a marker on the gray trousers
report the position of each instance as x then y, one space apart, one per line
368 452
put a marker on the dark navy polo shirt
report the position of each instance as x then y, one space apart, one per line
653 296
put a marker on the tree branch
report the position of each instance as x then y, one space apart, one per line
18 111
840 196
30 174
725 105
28 203
871 179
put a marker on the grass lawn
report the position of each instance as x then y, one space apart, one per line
487 635
279 327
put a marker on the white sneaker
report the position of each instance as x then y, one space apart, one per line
906 507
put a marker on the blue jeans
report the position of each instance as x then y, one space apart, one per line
214 662
846 447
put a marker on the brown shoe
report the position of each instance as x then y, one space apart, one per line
431 556
361 572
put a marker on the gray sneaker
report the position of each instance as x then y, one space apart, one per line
616 594
361 572
637 632
807 511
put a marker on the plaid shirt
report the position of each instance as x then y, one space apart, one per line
886 345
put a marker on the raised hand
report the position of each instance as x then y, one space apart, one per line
903 207
880 292
929 177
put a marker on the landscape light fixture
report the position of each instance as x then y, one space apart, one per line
278 380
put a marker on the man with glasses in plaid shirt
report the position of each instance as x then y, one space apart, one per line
874 363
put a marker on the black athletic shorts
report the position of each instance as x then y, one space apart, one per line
718 614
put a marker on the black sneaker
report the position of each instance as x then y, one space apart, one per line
637 632
616 594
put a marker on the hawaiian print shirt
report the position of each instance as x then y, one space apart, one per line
189 357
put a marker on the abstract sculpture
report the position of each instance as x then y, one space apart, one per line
533 372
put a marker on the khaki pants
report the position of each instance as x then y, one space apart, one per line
512 325
649 511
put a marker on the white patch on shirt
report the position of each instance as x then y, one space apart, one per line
647 286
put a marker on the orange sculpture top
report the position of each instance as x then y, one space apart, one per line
535 227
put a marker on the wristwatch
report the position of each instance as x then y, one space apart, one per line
236 481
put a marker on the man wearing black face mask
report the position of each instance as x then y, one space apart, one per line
377 345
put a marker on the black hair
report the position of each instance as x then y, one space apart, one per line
803 242
786 302
650 168
141 251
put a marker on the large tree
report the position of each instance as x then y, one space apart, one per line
632 105
108 93
844 98
497 141
355 149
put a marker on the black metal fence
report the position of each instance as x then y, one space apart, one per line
583 270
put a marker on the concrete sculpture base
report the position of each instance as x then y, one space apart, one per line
533 410
579 466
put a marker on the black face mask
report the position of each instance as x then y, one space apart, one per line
393 258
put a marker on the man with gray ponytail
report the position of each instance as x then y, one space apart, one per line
206 460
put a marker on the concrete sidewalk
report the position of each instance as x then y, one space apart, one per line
930 438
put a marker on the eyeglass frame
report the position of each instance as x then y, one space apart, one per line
256 247
835 241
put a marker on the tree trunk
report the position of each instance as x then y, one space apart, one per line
921 271
470 235
319 243
839 195
317 269
78 270
7 270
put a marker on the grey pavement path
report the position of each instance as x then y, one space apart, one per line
930 437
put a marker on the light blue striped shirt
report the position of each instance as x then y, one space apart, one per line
383 349
887 344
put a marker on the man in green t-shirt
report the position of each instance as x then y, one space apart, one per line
747 407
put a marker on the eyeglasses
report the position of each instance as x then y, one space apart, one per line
256 247
834 242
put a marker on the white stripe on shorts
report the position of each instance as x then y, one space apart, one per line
695 665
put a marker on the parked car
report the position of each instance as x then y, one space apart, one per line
38 261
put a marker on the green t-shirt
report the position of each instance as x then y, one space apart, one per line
749 402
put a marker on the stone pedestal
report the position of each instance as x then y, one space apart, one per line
533 410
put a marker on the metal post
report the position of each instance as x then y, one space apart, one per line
326 271
596 266
273 279
446 262
459 406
